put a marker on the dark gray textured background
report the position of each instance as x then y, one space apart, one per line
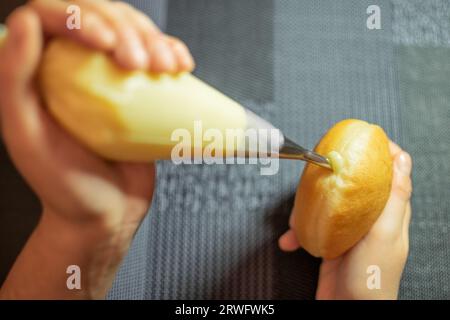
212 230
303 65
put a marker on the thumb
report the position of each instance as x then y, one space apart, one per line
401 184
19 58
391 220
19 55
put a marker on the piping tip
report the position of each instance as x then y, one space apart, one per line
291 150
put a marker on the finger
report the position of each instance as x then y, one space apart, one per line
21 115
182 54
401 184
146 29
130 52
163 57
142 23
288 241
391 220
93 32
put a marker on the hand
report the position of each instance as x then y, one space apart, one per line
385 246
91 207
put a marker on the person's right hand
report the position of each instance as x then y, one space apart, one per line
91 207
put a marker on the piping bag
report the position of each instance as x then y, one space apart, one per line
139 116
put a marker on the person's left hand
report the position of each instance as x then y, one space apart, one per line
385 246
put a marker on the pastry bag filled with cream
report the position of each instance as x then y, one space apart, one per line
139 116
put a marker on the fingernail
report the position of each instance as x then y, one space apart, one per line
166 54
403 163
140 56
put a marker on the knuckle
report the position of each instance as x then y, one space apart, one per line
404 189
